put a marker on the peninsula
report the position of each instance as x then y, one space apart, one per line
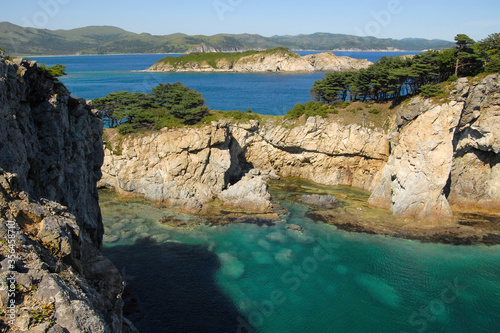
275 60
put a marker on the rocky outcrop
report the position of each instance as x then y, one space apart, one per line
279 61
444 154
250 193
189 167
50 159
328 61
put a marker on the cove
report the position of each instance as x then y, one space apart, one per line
251 278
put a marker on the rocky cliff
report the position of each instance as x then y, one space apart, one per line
50 158
438 157
192 166
445 155
279 61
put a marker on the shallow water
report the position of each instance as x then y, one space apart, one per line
244 277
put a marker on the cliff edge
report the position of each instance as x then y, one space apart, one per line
445 155
50 221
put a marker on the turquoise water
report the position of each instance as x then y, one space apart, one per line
266 93
249 278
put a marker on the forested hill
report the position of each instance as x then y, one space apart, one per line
112 40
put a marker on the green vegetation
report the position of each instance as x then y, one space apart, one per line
168 105
396 78
238 115
210 58
109 40
310 109
45 313
54 71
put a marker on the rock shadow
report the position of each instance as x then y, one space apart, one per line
175 286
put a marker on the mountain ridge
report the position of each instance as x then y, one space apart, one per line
106 39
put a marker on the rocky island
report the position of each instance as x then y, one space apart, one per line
275 60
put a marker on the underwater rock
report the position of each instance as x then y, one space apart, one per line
295 227
321 201
231 266
284 257
379 289
276 237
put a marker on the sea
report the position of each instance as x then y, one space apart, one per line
95 76
265 278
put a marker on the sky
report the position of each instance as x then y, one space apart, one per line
431 19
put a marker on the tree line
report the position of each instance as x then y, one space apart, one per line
394 78
167 104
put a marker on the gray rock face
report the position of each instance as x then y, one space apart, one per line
444 155
321 201
52 142
50 159
189 167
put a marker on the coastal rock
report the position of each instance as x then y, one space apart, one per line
444 154
250 193
330 62
475 175
190 167
50 159
322 150
321 201
185 167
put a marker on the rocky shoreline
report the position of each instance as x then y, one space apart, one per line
436 160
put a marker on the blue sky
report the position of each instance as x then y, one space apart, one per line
433 19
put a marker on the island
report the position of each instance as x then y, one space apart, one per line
274 60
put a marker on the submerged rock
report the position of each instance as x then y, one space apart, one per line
379 289
276 237
321 201
231 266
295 227
284 257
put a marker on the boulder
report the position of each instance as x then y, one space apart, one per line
249 194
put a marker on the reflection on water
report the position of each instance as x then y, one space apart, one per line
244 277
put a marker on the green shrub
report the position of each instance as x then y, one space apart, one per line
310 109
374 111
345 104
54 71
431 90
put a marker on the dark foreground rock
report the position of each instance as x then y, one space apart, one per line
51 152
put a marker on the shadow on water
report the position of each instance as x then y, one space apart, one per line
176 287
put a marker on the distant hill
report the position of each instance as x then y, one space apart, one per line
112 40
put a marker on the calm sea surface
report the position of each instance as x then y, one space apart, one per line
249 278
266 93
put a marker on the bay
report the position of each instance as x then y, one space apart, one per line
95 76
250 278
